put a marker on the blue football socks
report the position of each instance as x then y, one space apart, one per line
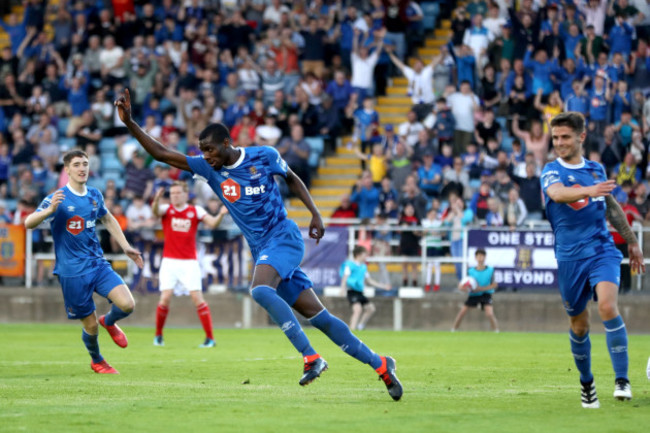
114 315
581 349
282 314
616 336
91 344
341 335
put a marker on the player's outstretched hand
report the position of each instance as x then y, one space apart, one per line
135 255
123 104
316 229
57 198
636 258
602 189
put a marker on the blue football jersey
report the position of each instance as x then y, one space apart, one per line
580 228
248 190
76 245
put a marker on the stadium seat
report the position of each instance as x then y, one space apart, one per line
63 125
430 10
111 162
66 143
107 145
97 182
317 145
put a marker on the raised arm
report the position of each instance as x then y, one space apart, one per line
396 60
618 220
155 205
35 219
215 221
298 188
152 146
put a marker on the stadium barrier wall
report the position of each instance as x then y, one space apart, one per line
517 312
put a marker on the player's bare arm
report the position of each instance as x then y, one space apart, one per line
378 284
296 186
36 218
215 221
114 229
618 220
563 194
155 205
152 146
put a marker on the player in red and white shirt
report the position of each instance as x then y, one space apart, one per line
179 269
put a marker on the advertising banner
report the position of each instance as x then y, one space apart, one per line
323 261
12 251
521 259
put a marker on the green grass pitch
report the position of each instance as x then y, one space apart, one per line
461 382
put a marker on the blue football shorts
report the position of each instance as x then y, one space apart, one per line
78 290
284 251
578 278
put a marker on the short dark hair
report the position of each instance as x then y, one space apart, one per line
358 250
74 153
216 132
572 119
480 251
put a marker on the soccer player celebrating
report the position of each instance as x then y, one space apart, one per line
243 180
578 203
179 265
72 212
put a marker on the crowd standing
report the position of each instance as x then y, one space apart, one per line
301 75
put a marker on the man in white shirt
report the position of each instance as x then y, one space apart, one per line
420 82
478 38
494 21
409 131
363 65
273 13
462 105
111 59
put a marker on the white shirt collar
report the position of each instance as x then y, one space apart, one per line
242 155
75 192
565 164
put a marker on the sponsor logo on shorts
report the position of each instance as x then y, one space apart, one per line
264 257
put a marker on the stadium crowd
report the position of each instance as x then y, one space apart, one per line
301 75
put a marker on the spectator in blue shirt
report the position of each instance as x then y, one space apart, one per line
366 196
626 127
577 100
78 96
541 70
237 110
15 29
366 120
620 36
600 98
429 175
340 90
445 122
572 40
465 64
565 75
622 100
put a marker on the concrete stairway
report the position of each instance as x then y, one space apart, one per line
339 172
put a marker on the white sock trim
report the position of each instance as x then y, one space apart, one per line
317 314
615 329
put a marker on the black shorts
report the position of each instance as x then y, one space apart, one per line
483 300
357 297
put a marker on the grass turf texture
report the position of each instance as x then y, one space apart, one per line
461 382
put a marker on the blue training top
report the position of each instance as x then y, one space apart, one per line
580 228
356 274
248 190
483 278
76 245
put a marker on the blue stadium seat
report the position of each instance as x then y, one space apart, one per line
430 10
97 182
317 145
506 142
66 143
112 163
63 125
107 145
